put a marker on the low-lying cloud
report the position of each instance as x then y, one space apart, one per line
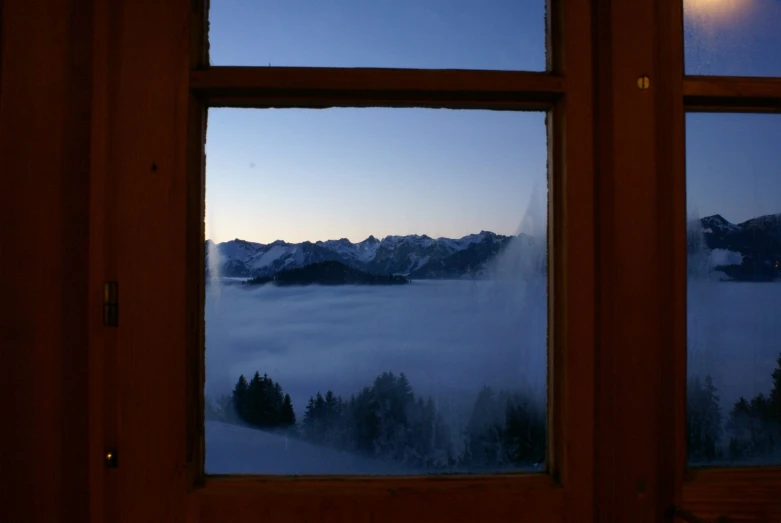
449 337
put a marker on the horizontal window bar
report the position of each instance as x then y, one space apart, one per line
741 494
730 93
481 498
363 87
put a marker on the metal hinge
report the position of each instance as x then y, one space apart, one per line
111 304
689 517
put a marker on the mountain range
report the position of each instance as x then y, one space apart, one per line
753 251
757 241
328 273
414 256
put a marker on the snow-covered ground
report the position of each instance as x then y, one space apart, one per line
231 449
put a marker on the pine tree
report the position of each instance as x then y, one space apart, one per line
362 415
774 403
287 415
241 398
524 431
310 417
703 420
762 439
713 420
485 430
739 429
256 400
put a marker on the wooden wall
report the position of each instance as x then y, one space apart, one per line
45 101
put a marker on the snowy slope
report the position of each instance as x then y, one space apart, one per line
231 449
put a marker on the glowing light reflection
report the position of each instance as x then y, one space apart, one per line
716 10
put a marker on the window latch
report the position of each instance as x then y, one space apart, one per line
689 517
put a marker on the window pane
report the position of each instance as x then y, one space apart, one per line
734 289
376 291
425 34
733 37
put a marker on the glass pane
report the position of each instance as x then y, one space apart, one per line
376 291
733 37
425 34
734 289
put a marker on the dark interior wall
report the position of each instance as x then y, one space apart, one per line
45 106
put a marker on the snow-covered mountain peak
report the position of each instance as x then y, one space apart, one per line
393 254
717 222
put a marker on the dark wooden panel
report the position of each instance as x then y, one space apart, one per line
670 173
104 400
44 206
148 159
732 93
196 256
488 500
635 437
572 249
725 88
745 494
327 87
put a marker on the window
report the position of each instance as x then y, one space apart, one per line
463 92
732 38
421 34
725 150
376 291
615 94
733 239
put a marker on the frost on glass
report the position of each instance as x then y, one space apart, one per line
733 37
734 289
426 34
376 298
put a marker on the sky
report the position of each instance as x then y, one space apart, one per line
313 175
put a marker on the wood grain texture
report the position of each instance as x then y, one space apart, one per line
741 494
572 249
670 173
195 343
324 500
195 346
732 93
363 87
148 158
104 394
44 208
634 438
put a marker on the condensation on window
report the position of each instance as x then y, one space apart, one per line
376 291
734 289
732 37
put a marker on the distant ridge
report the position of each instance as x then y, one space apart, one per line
757 241
413 256
328 273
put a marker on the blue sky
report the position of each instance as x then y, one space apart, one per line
314 175
733 160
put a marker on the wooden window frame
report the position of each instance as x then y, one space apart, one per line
739 493
539 496
618 152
